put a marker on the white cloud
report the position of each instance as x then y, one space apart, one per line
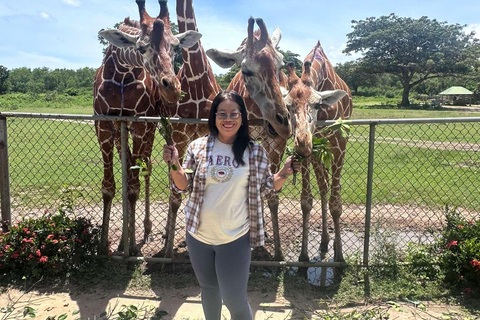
44 15
74 3
473 27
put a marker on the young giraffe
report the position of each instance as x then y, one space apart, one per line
199 86
259 82
308 104
136 73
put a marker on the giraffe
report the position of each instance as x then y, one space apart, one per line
199 86
260 83
307 104
136 74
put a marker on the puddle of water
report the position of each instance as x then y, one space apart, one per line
320 276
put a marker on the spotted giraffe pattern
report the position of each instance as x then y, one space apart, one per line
130 82
200 87
273 143
323 77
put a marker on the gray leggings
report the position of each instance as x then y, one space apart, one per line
222 272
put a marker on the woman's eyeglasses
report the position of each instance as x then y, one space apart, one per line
224 116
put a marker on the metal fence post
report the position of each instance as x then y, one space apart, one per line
124 156
4 174
368 209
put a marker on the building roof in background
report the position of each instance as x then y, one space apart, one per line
456 91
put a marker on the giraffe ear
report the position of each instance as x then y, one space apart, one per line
226 59
118 38
276 37
188 38
329 97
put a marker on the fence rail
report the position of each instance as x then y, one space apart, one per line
398 176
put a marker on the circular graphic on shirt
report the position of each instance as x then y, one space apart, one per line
221 173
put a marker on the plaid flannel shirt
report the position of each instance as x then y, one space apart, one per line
260 185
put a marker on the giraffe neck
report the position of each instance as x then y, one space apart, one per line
126 58
196 76
325 78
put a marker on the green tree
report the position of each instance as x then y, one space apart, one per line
289 56
225 79
414 50
356 75
3 79
18 79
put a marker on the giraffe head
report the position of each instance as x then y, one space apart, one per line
303 102
152 39
261 65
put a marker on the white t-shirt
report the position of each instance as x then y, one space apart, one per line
224 212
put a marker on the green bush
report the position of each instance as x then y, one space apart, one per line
53 244
460 251
454 258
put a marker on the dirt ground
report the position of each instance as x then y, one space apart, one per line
186 304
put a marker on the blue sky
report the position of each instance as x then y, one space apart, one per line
63 33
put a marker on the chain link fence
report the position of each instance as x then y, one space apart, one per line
417 168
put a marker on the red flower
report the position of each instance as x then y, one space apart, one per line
15 255
43 259
452 243
1 254
468 290
6 247
52 224
26 230
30 257
460 226
471 222
78 240
50 236
38 253
55 241
475 263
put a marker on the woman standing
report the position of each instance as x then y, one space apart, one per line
224 216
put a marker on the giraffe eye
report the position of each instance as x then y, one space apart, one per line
247 72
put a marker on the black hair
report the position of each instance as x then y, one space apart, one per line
243 137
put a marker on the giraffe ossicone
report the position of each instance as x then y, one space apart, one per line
260 76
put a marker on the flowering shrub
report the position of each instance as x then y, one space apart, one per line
50 245
459 248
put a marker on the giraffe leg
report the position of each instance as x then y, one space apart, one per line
175 199
142 141
322 181
335 202
105 134
147 152
129 172
275 155
306 205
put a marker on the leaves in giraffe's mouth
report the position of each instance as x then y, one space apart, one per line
321 146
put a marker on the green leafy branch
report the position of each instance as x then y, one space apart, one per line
166 131
142 166
321 146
